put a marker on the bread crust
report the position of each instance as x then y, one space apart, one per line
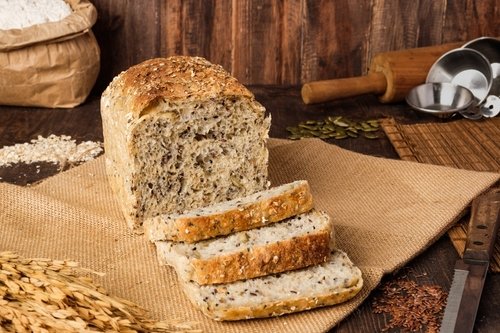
176 78
295 253
278 308
260 213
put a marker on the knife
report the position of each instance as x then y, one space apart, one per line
470 272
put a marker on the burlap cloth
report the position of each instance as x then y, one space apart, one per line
385 213
464 144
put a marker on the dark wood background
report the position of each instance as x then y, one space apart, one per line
282 41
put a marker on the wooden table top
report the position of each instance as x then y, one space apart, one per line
434 266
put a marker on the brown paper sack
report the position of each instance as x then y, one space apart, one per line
52 64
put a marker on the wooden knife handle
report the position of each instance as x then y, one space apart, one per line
483 227
328 90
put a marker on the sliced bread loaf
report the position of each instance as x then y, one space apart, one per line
294 243
333 282
253 211
181 133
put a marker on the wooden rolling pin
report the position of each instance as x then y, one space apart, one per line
391 76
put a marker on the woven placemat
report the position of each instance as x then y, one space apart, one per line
464 144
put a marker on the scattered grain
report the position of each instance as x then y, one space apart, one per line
60 150
412 307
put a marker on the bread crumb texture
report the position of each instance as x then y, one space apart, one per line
332 282
253 211
294 243
181 133
298 226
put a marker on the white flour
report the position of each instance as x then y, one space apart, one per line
17 14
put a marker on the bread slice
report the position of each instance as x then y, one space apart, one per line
181 133
295 243
253 211
332 282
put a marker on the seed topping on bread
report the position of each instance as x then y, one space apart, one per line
177 78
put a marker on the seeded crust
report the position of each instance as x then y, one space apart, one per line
275 258
333 282
176 78
256 210
226 262
181 133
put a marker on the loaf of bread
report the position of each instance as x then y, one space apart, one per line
253 211
294 243
333 282
181 133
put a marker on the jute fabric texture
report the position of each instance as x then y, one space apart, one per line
385 213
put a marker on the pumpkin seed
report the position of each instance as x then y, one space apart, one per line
336 127
365 125
370 135
340 122
333 119
309 127
316 133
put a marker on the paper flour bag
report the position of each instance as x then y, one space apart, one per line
52 64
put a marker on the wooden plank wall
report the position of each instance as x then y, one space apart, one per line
285 42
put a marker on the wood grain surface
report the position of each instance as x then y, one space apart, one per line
284 41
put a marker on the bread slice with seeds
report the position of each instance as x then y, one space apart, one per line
329 283
253 211
294 243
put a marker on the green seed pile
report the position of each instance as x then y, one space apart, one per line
334 128
44 295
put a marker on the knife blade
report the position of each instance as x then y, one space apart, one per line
470 271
